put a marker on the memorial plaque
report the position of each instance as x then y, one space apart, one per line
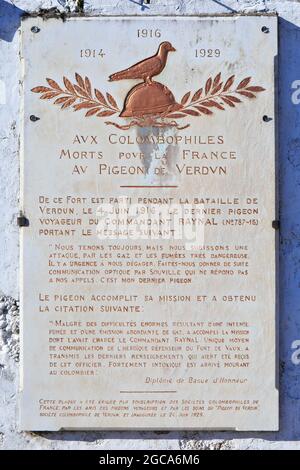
148 251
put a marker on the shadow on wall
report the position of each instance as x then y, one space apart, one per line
141 3
289 272
10 20
289 196
225 6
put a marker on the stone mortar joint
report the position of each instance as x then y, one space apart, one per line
9 327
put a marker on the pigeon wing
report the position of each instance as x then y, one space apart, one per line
140 69
145 66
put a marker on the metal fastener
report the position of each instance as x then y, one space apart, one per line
35 29
22 221
34 118
265 29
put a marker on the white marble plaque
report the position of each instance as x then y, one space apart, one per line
148 262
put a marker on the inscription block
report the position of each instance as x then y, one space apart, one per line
148 261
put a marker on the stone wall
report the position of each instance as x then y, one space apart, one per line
289 206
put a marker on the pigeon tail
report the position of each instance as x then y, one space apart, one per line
118 76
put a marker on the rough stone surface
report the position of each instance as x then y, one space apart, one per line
289 188
9 327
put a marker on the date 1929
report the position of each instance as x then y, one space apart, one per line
201 53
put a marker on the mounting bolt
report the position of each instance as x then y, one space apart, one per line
35 29
267 118
22 221
265 29
34 118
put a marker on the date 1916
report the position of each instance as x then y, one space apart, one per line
148 33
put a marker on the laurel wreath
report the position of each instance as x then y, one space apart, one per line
80 96
214 96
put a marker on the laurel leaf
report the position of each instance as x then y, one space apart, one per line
79 80
197 95
68 103
212 104
217 80
217 89
61 100
219 106
247 93
91 112
255 88
53 84
243 83
49 95
204 110
99 96
229 82
68 85
106 113
185 98
209 103
111 101
88 87
191 112
84 105
208 86
40 89
229 102
233 98
81 92
176 115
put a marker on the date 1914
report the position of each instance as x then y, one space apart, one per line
91 53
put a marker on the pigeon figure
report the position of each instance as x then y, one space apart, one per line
148 68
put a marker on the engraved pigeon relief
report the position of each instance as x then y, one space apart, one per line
148 68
